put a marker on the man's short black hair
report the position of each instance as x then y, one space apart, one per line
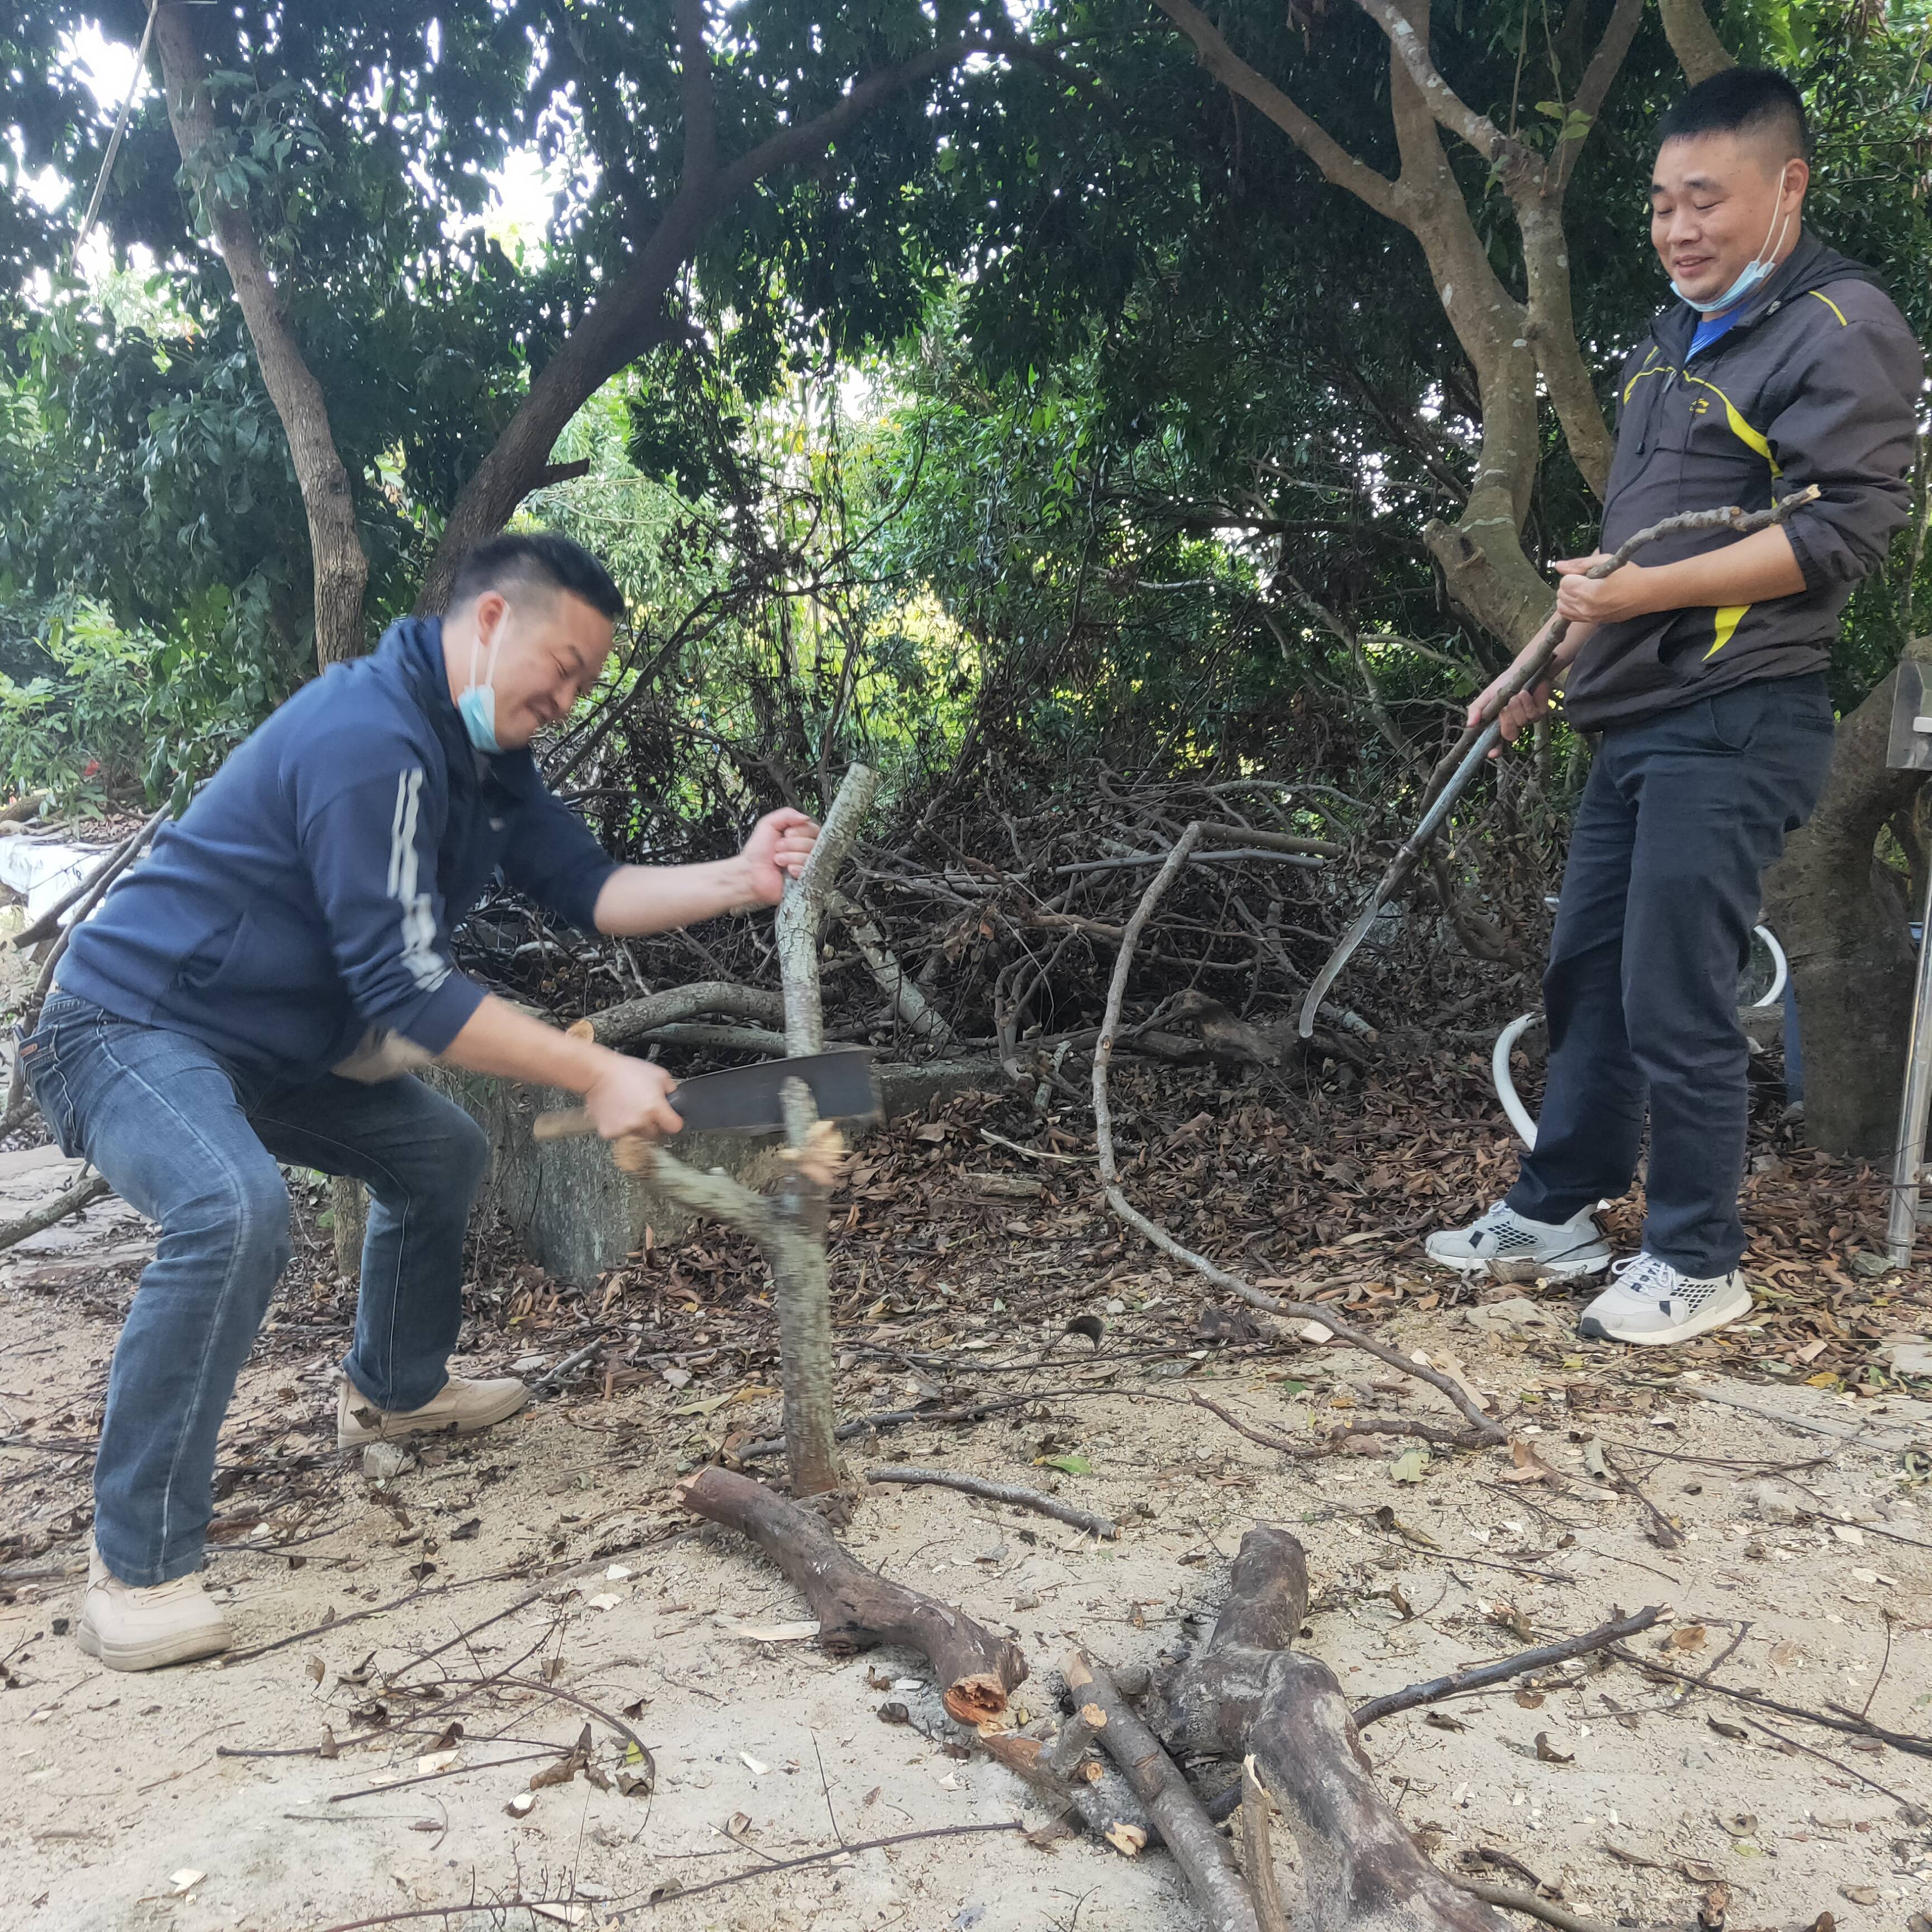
1742 100
541 558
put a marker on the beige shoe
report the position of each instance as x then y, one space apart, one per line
459 1407
131 1629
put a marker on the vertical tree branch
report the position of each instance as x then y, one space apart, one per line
803 1291
797 1247
1693 40
801 911
341 568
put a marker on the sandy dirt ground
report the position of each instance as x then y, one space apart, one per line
524 1584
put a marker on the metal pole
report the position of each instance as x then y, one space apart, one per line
1908 1160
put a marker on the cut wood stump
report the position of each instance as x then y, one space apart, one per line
856 1610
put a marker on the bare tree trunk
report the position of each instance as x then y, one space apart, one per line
341 568
1693 40
1509 341
635 313
1838 914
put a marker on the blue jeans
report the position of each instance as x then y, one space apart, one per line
193 1143
1682 816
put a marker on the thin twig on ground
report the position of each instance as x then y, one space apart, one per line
1850 1724
1012 1494
636 1901
1605 1636
1529 1905
1485 1430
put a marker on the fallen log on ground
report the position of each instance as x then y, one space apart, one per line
856 1610
1246 1692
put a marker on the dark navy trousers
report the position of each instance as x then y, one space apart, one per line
1682 816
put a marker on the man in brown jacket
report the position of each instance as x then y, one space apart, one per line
1780 364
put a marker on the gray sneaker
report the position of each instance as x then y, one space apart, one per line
1512 1247
1650 1304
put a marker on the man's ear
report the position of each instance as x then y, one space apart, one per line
492 607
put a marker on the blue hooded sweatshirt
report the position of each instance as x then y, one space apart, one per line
308 895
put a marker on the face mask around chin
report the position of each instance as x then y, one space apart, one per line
1755 273
477 704
477 707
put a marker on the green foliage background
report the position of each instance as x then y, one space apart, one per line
1064 415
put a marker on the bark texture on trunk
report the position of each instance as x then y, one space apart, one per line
1693 40
1842 920
341 568
348 1216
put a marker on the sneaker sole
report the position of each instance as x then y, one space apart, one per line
489 1419
1591 1329
183 1649
1521 1268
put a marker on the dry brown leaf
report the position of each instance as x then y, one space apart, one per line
1530 1467
1548 1753
1687 1637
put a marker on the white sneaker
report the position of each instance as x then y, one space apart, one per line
459 1407
1649 1302
1512 1247
131 1629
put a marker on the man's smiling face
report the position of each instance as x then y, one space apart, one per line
549 649
1717 200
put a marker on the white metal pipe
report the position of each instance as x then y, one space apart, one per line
1499 1073
1780 970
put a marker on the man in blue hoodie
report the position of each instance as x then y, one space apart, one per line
257 991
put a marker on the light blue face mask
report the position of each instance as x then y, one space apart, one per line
477 704
1755 275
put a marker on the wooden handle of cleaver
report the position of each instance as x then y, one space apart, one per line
632 1152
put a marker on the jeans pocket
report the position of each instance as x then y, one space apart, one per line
1732 717
48 1085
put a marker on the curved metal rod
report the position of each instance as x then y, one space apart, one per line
1780 967
1499 1073
1465 758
